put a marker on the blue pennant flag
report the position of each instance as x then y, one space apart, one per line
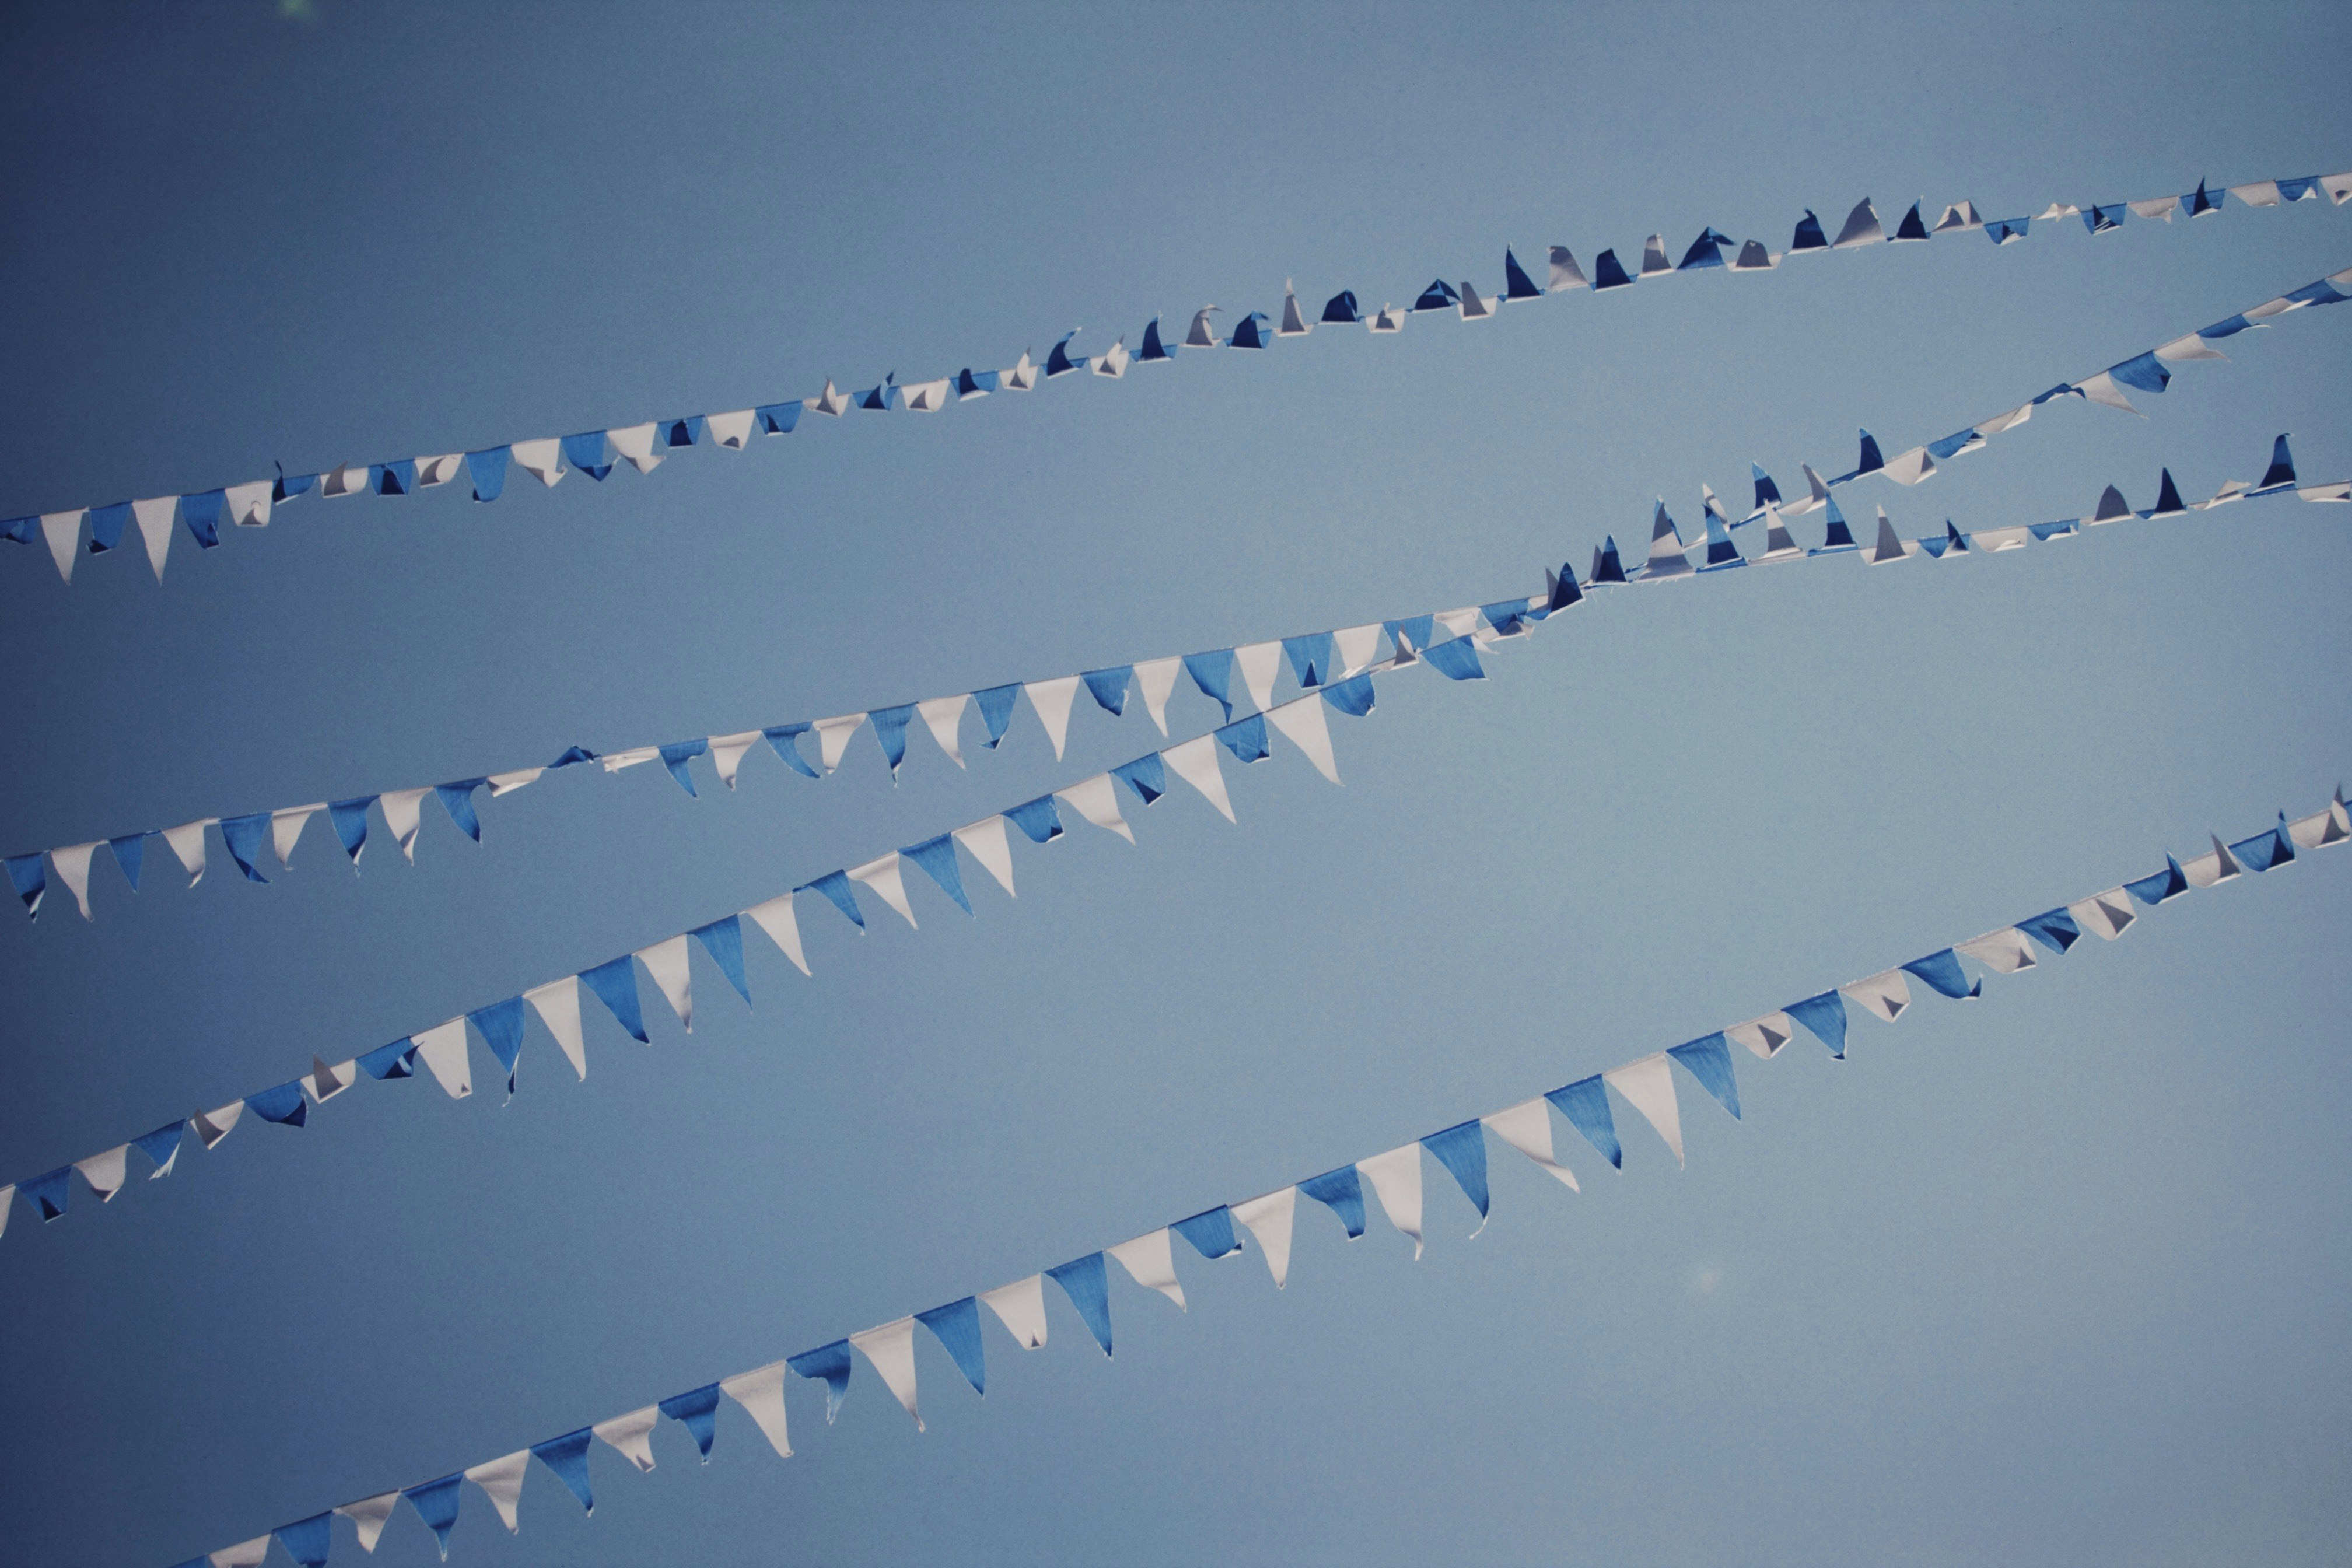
1839 537
879 397
1517 284
586 452
29 875
436 1504
698 1409
1251 333
1352 696
1825 1016
288 486
890 729
1109 687
2167 496
2145 372
1870 462
1059 362
487 470
1607 272
573 757
2282 469
938 857
615 985
1942 972
2099 220
1417 629
2229 327
1083 1282
1951 445
50 1193
395 479
568 1456
1211 1232
997 710
1462 1149
1607 565
2320 293
2264 851
779 418
1709 1059
781 740
1585 1103
674 757
1438 296
971 382
1341 310
129 851
1037 819
834 885
1766 490
1809 236
1147 776
1704 251
832 1364
2007 230
2046 532
162 1146
351 820
1213 672
106 526
1564 591
1505 616
1310 657
1456 659
2200 204
203 515
723 940
307 1540
2055 931
1245 738
686 432
1341 1192
2168 883
243 836
391 1061
1911 227
1153 349
500 1024
957 1328
458 800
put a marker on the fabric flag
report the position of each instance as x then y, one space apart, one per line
1708 1061
501 1479
1108 687
1607 272
836 887
1648 1087
1517 284
1083 1280
1050 699
1294 324
1156 680
1526 1127
1941 971
106 1173
1667 557
957 1328
937 856
831 1364
284 1104
1213 672
252 1553
1245 738
212 1126
1145 776
1764 1036
1753 257
2005 952
1462 1149
1037 819
1911 228
1151 1264
1341 310
1455 660
368 1516
1585 1103
881 874
1654 256
943 716
1269 1219
832 736
1885 993
442 1049
1396 1180
1473 309
1825 1016
1341 1192
629 1436
557 1003
760 1393
568 1456
697 1411
162 1148
2055 928
1861 227
891 1348
72 866
436 1504
1020 1307
1259 665
1389 320
1154 351
1302 723
1565 273
726 755
1251 333
984 841
890 732
666 962
1195 762
2108 913
1098 802
1887 547
1211 1232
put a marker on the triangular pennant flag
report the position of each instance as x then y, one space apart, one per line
1269 1219
1259 662
1211 1232
443 1049
162 1148
1825 1016
957 1328
1050 698
2005 952
285 829
832 737
1156 679
1083 1280
984 841
697 1411
1301 722
1462 1149
1861 227
891 1348
666 963
1565 273
368 1516
1341 1192
1764 1036
154 519
436 1504
881 874
2109 914
1648 1087
1885 993
568 1456
212 1126
942 716
252 1553
403 815
629 1436
1585 1103
130 851
1151 1264
62 531
106 1173
558 1005
832 1365
1098 802
1526 1127
1020 1307
1941 971
723 940
72 865
784 927
502 1480
726 755
1195 762
615 981
1708 1060
938 857
1396 1179
760 1393
326 1082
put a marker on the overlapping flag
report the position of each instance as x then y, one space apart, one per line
73 531
1591 1105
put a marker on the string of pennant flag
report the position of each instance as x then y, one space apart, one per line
1590 1105
401 809
73 531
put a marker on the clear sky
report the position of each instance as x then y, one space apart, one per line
2056 1277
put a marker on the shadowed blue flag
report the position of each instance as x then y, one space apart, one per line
1341 1192
1456 659
1083 1282
458 800
674 757
1709 1059
831 1362
698 1409
1147 776
1353 696
129 851
1211 1232
500 1024
938 857
615 985
1310 657
307 1540
1517 284
1251 333
1037 819
1942 972
29 875
890 730
2055 931
1825 1016
436 1504
487 470
2282 469
162 1145
1462 1149
1109 687
389 1061
48 1193
2264 851
568 1456
586 452
2143 370
243 836
1585 1103
723 940
781 740
834 885
997 710
1245 738
1607 272
1341 310
1153 349
2168 883
1808 234
957 1328
1438 296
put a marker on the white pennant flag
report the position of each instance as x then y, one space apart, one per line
628 1433
1112 364
984 841
326 1082
1886 993
1526 1127
1357 646
73 870
943 716
2004 951
830 401
402 814
1473 308
2008 421
2108 913
62 531
1648 1085
154 520
760 1393
187 842
105 1172
502 1480
1050 698
1763 1037
1020 1307
244 1554
1565 273
249 505
444 1049
666 963
727 754
1022 377
1396 1181
832 737
891 1348
731 430
543 460
2209 870
1151 1264
1294 324
352 479
1995 540
784 927
2101 389
1155 680
2260 193
285 828
1195 762
1098 802
930 396
2318 830
2190 347
1909 467
212 1126
557 1003
2162 208
1259 662
1301 720
635 443
1268 1219
882 875
431 471
614 761
1860 229
368 1515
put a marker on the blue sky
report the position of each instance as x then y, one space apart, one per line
2054 1277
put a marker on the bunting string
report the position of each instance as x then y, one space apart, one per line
1591 1105
646 444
